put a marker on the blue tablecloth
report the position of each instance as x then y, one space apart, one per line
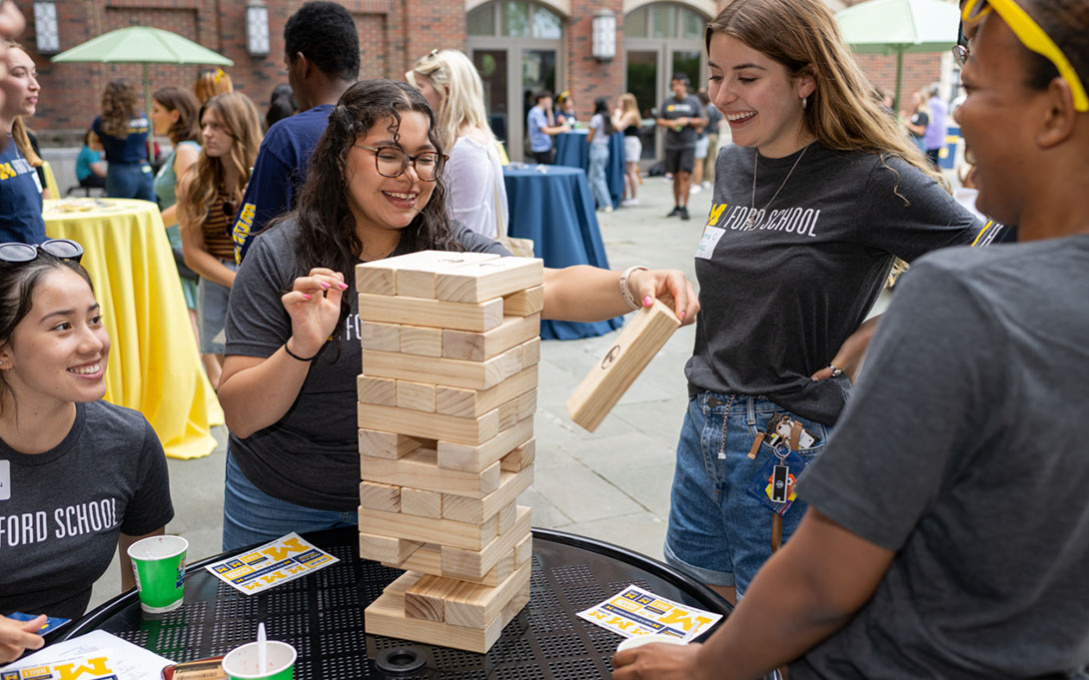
573 151
556 210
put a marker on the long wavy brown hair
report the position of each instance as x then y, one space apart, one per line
200 183
18 128
187 127
327 235
118 108
844 112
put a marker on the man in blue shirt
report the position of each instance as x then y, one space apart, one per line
541 128
321 49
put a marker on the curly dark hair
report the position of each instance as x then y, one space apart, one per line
327 235
118 107
326 33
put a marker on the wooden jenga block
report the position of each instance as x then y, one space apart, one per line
472 537
386 549
380 277
646 332
382 391
473 606
428 560
418 470
468 564
524 550
524 303
421 340
507 517
426 598
377 496
531 353
476 375
489 279
468 346
476 510
418 278
381 336
470 431
414 395
468 457
380 444
469 403
520 458
482 316
421 502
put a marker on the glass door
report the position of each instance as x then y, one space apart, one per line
538 73
642 73
492 65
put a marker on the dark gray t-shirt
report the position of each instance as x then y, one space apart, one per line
311 455
69 506
673 108
963 449
778 300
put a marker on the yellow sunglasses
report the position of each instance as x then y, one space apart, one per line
1031 36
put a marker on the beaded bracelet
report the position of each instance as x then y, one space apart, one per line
625 292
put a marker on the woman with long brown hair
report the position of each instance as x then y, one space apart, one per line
20 189
208 196
123 129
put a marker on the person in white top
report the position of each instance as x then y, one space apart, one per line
476 195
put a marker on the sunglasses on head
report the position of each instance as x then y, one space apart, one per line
61 248
1032 37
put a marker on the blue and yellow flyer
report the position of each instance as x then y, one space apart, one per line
634 612
280 561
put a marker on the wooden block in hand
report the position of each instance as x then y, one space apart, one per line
489 279
474 375
413 395
470 403
418 470
380 276
482 316
378 496
469 346
524 303
420 340
645 333
381 391
421 502
380 336
386 549
381 444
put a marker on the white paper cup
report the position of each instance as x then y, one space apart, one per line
241 663
632 643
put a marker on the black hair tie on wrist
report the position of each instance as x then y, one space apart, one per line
296 356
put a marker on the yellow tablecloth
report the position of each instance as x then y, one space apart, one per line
51 181
154 366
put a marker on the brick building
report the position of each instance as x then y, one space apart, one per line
520 46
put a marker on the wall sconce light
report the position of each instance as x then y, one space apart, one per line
45 27
257 30
604 35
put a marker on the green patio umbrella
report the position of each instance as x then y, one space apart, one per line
900 27
142 45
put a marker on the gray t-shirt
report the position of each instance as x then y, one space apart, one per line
69 506
964 450
673 108
311 455
597 124
779 299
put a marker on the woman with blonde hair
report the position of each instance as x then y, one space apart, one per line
123 130
628 120
21 192
817 196
477 196
211 82
208 195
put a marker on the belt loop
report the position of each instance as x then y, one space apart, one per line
752 411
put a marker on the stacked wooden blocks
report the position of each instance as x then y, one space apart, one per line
446 402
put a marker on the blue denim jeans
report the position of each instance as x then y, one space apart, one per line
212 301
717 531
130 181
252 516
599 157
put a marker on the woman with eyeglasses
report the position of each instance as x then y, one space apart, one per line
376 188
20 189
948 529
208 194
80 478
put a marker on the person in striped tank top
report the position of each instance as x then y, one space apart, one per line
208 195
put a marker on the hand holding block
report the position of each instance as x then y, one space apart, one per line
646 332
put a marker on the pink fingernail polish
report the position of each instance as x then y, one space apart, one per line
683 313
324 285
306 295
343 286
647 301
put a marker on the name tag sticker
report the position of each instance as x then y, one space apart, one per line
5 480
711 235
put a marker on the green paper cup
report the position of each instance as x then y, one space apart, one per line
241 663
159 565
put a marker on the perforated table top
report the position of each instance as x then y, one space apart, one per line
321 615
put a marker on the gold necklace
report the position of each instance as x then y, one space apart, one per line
754 212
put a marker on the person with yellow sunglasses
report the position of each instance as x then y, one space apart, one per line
948 526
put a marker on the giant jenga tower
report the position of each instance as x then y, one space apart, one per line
446 402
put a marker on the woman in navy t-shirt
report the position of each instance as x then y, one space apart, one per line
123 131
20 190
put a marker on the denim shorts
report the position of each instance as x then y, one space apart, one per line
252 516
130 181
718 532
212 301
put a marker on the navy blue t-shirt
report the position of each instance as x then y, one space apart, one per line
279 173
125 150
20 198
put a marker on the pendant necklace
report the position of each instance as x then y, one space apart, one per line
756 157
